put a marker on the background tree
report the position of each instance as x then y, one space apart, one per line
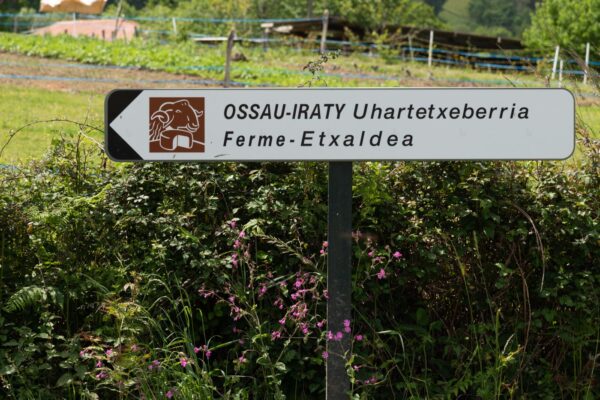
436 4
568 23
378 14
504 18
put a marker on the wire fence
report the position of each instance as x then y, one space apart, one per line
419 50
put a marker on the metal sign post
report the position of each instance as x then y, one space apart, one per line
338 125
339 276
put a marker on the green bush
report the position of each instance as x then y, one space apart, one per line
208 280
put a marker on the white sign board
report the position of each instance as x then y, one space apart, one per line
340 124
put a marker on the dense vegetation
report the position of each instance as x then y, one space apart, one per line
282 66
502 18
568 23
152 280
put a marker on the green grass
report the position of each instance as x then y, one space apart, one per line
590 118
281 66
20 106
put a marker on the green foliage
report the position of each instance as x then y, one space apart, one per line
437 5
568 23
31 296
378 15
506 18
210 278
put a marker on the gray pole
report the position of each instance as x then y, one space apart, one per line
339 276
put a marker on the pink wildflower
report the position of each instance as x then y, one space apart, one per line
242 234
99 364
397 255
208 354
275 335
101 375
371 253
183 361
242 359
237 315
347 328
196 350
282 321
325 355
237 244
232 224
320 324
304 328
299 282
325 244
279 303
262 290
321 252
109 352
339 336
169 394
154 364
358 338
381 274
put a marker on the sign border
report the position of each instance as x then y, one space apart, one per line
111 111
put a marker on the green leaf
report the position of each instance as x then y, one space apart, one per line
64 380
280 366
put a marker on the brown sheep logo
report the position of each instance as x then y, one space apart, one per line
176 124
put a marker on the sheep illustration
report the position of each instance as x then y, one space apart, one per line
174 125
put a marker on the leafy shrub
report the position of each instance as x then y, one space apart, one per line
475 279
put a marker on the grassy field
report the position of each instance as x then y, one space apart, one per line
20 106
280 66
79 100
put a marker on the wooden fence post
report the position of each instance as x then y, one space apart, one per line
555 63
75 33
174 21
560 73
324 33
267 26
430 54
587 63
230 41
119 9
410 48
